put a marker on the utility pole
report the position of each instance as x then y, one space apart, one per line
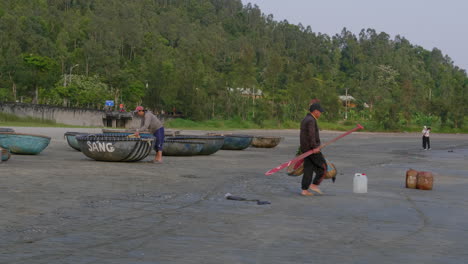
71 69
253 102
69 76
346 106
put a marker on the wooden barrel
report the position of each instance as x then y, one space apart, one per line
411 178
425 180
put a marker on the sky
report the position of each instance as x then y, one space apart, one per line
441 24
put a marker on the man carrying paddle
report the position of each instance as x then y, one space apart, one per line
310 140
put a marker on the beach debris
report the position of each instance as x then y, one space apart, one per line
238 198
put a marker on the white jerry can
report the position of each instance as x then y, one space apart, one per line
360 183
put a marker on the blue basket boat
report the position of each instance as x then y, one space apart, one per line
127 132
234 142
181 147
105 147
122 134
212 143
71 139
27 144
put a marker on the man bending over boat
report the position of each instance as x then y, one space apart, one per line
151 123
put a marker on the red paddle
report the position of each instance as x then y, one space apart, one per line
305 154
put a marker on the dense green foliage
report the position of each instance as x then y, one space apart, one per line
186 54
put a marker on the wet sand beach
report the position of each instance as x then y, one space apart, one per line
62 207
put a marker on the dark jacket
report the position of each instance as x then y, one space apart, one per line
309 136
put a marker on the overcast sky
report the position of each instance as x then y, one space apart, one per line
428 23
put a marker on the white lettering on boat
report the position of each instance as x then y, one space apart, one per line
109 147
100 146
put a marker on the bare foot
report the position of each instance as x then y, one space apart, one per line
157 161
315 188
306 193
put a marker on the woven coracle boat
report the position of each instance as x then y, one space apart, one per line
265 141
130 135
71 139
104 147
182 147
212 143
234 141
127 132
27 144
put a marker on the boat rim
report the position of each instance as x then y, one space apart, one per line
23 134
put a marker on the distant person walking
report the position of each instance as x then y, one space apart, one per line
426 142
310 140
151 123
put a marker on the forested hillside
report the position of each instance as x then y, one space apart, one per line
186 54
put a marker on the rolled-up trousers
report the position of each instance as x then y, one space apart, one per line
159 141
314 163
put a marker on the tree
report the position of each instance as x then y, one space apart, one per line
42 68
185 54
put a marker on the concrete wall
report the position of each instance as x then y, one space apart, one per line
74 116
69 116
133 124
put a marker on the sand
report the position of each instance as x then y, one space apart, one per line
62 207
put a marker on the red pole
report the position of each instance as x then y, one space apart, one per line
303 155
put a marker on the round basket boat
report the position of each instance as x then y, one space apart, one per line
212 143
132 131
71 139
123 132
104 147
265 141
27 144
6 129
4 154
131 135
180 147
234 142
